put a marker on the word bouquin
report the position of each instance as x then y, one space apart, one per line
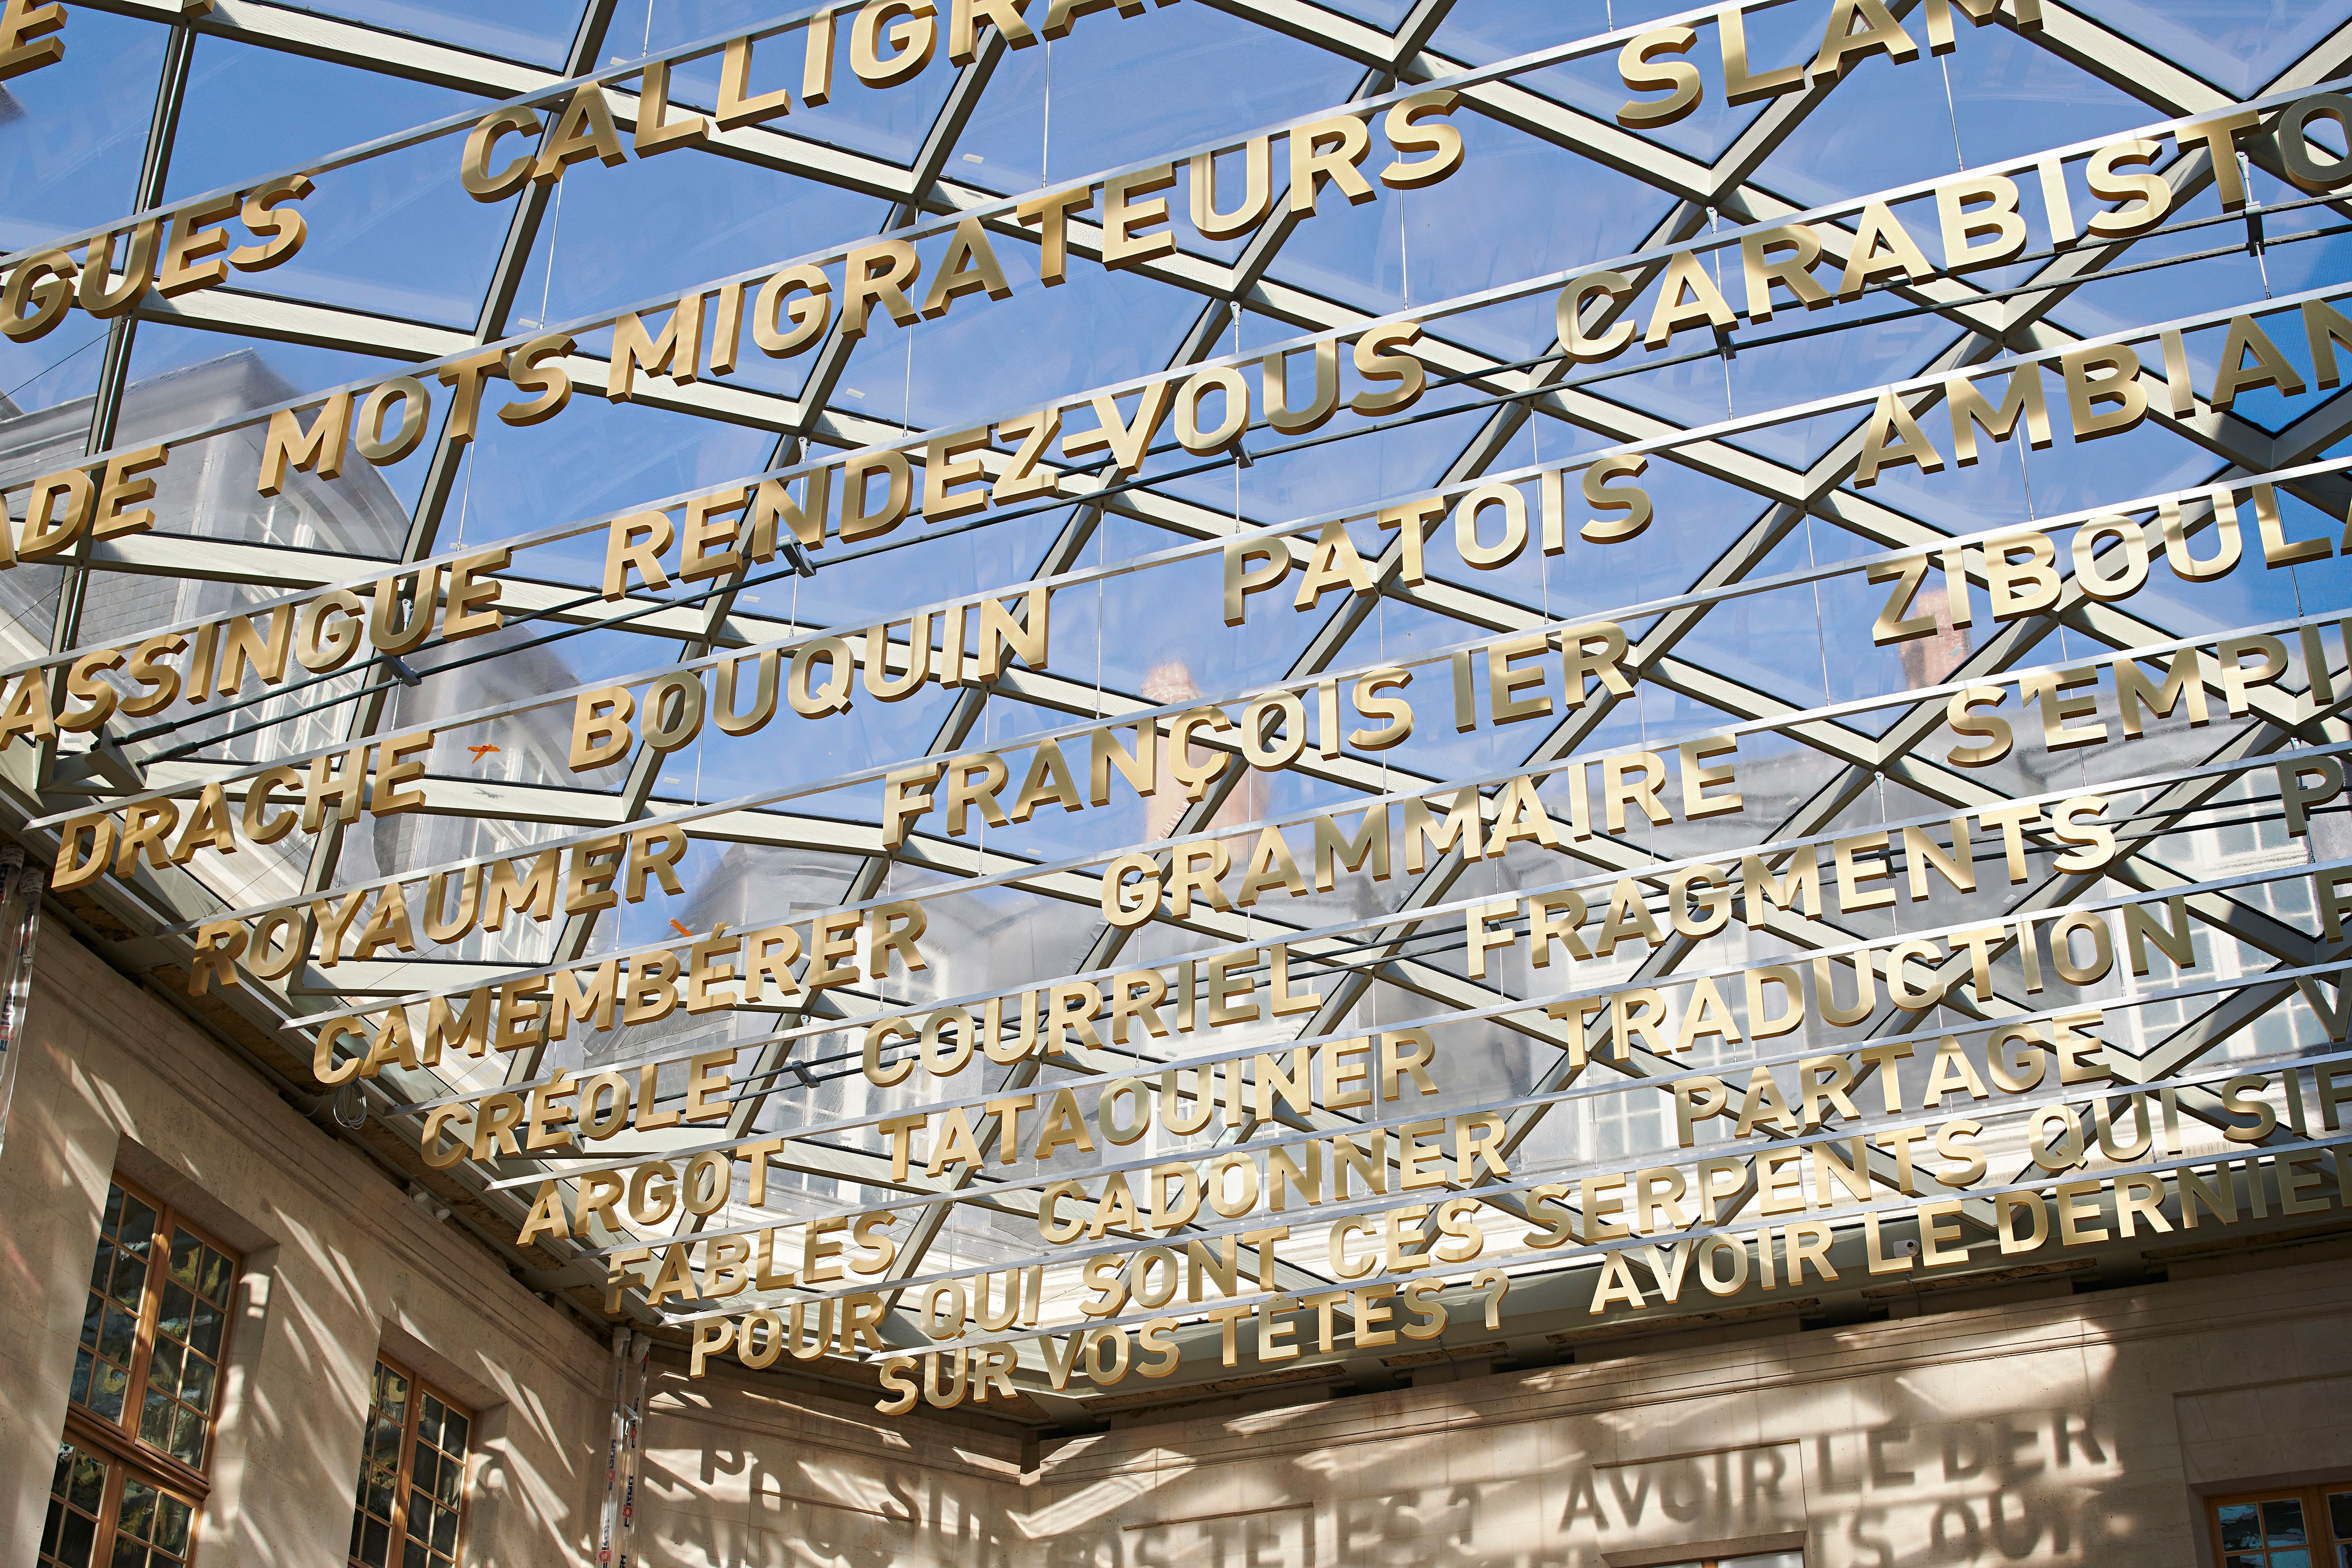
817 678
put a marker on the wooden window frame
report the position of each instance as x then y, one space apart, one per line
129 1456
121 1470
2319 1530
405 1472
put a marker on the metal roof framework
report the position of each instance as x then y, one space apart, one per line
1731 188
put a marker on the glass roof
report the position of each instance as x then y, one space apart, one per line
402 270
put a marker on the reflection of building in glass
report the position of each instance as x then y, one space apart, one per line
207 492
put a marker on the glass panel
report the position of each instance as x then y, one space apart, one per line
109 1331
173 1521
2240 1527
2283 1522
197 1383
107 1387
155 1422
189 1329
187 1444
379 1478
187 1257
2339 1516
137 1516
76 1489
118 1336
206 1334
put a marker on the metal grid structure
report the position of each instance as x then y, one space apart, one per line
1571 185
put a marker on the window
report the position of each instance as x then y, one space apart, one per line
412 1486
2309 1527
145 1392
150 1527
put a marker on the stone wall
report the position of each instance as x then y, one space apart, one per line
2053 1428
338 1264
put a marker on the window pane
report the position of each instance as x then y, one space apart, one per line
187 1443
119 1334
173 1519
2283 1522
2339 1515
2240 1527
137 1517
108 1384
76 1487
187 1259
109 1331
197 1383
206 1334
212 1282
379 1468
155 1424
179 1306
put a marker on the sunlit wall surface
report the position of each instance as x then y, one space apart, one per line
1746 602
